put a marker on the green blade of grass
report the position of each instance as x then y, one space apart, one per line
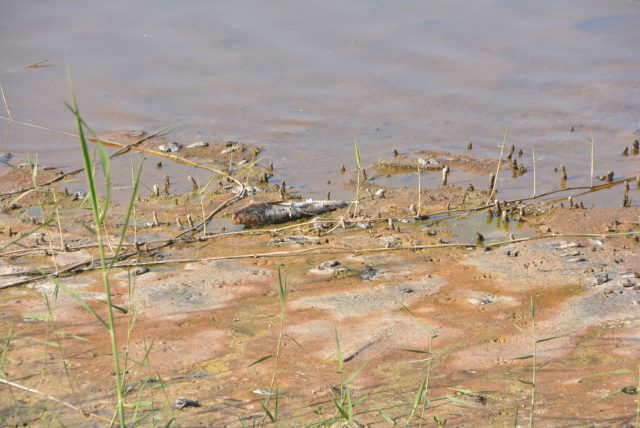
85 306
355 373
267 412
261 359
127 218
5 350
339 351
386 417
282 289
106 171
341 409
546 339
416 351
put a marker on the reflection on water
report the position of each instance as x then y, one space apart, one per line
304 79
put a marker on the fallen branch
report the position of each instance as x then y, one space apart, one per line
270 213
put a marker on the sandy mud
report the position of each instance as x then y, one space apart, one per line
439 280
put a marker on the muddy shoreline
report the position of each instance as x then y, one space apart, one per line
385 273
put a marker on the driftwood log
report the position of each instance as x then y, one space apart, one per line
279 212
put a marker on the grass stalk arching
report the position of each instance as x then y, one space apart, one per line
99 216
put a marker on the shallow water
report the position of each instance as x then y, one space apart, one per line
303 80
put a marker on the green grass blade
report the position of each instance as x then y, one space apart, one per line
524 357
415 351
5 350
386 417
355 373
282 289
34 171
267 412
339 350
85 306
261 359
546 339
127 218
106 171
20 196
341 409
276 406
533 309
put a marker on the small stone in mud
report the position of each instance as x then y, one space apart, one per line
575 260
596 242
139 271
368 273
78 196
627 283
630 275
380 193
172 147
428 162
182 402
600 279
389 241
485 301
512 253
330 267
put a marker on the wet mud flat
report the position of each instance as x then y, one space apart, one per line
439 279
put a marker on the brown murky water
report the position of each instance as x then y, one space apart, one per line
303 80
